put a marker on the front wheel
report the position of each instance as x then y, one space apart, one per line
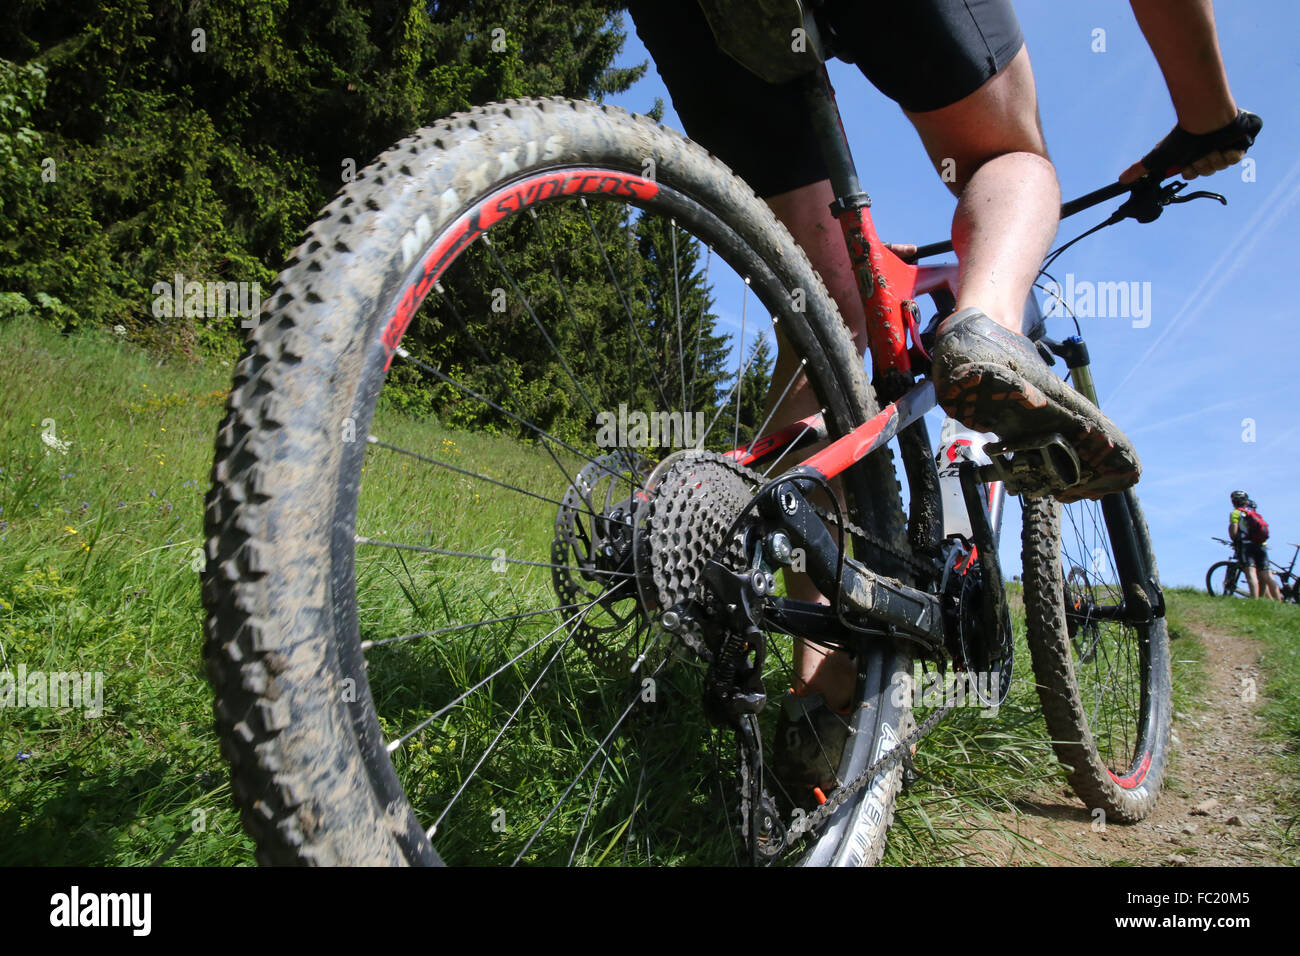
1226 579
1104 683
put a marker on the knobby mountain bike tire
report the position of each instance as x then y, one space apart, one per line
400 492
1104 685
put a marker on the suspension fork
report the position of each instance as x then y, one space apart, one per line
1143 597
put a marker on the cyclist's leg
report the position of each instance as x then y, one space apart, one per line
805 212
1007 212
973 77
1268 584
982 124
1252 578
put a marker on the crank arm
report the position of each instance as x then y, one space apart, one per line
883 601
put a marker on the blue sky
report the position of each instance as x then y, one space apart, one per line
1223 337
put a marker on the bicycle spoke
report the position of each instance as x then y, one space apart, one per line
740 356
536 321
569 789
399 741
497 408
762 429
457 628
677 310
481 477
732 391
786 450
1110 678
622 298
423 549
699 331
487 752
587 814
583 338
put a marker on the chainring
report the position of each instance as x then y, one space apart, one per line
967 639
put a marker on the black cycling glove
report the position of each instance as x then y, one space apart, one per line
1181 149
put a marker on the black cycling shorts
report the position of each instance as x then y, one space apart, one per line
1254 553
923 54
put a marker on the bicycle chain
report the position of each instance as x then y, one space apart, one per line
841 794
826 514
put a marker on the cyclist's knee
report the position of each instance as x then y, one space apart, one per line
998 119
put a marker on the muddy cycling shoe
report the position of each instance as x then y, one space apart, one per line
810 740
993 380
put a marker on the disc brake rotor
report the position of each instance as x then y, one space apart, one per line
592 563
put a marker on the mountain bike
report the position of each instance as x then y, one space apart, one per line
1226 578
448 624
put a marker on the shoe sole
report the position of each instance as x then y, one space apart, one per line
991 397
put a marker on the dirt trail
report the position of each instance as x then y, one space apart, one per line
1216 807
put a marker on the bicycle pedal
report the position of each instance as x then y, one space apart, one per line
1035 466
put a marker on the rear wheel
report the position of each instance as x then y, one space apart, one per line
430 623
1104 683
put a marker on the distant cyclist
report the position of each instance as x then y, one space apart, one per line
1248 532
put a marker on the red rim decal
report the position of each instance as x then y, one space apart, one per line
1136 777
492 209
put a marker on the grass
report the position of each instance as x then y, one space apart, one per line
97 552
99 548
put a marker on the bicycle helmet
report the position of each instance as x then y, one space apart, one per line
1240 497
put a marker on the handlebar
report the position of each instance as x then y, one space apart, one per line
1148 198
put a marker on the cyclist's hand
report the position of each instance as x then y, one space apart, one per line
1198 154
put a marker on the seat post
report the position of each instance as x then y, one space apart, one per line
834 145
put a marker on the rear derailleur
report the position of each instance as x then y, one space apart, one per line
731 619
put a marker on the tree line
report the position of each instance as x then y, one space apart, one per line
146 139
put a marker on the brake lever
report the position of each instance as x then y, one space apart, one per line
1148 201
1200 194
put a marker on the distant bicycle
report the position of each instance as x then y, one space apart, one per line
1228 578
